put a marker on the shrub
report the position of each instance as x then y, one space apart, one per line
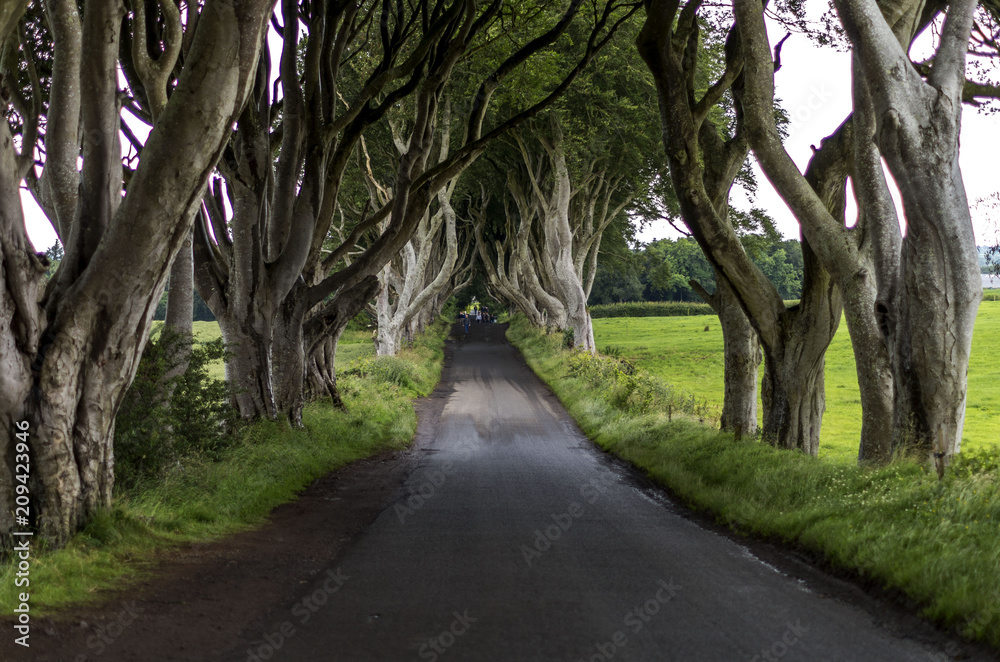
568 338
164 419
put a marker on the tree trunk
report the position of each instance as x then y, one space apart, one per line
794 400
21 272
874 368
941 291
741 351
578 319
180 307
289 361
248 364
323 330
321 372
388 332
929 325
793 391
180 298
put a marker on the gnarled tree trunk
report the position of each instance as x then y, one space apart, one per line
323 330
742 357
928 324
84 346
703 165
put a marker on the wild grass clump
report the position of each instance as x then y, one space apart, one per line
413 369
895 527
633 390
385 370
629 389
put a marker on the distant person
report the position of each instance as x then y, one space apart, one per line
479 316
466 316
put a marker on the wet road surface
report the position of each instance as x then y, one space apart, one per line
516 539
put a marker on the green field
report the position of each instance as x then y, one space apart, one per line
679 350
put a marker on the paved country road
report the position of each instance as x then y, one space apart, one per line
515 539
504 535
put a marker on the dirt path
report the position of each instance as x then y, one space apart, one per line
503 534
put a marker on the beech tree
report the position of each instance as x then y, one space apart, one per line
555 222
414 286
704 159
68 353
253 269
912 388
566 180
927 308
852 255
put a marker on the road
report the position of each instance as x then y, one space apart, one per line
515 539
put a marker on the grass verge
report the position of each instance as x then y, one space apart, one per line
896 527
203 500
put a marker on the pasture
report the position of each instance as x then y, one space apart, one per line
680 351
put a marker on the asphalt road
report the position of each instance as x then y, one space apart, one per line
516 539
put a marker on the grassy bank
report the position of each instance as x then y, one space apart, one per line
201 500
896 527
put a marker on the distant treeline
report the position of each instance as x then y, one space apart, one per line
660 271
650 309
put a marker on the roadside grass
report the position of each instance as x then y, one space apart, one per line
202 501
679 350
896 527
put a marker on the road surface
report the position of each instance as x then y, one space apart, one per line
515 539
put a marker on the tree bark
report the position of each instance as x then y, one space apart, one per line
180 297
742 357
179 318
248 365
288 355
929 326
818 201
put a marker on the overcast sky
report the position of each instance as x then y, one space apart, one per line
815 88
